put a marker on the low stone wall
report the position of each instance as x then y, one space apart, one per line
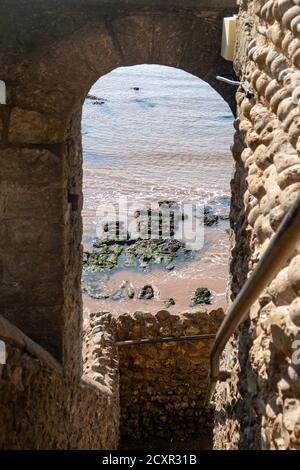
162 386
41 409
144 391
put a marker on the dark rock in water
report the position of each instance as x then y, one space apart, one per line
130 293
146 292
113 239
91 97
143 251
95 98
161 222
110 239
106 257
208 210
169 302
171 246
148 251
96 242
98 102
171 204
224 216
94 292
170 267
210 219
202 295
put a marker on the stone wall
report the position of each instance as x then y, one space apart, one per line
138 392
48 69
162 387
60 50
41 408
259 406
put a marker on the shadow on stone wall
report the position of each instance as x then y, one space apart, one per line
162 387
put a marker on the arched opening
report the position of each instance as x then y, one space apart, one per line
41 137
154 134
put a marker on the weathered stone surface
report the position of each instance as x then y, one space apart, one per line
49 67
258 408
163 386
41 409
33 128
295 311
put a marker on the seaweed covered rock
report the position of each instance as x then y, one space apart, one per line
202 295
148 251
104 258
146 292
169 302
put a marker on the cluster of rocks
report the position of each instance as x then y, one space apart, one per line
117 249
140 253
105 257
202 295
153 251
127 291
96 100
169 302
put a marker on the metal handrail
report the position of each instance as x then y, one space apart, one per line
167 339
280 249
249 93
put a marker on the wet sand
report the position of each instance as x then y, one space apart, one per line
168 141
210 271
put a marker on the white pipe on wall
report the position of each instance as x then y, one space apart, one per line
2 92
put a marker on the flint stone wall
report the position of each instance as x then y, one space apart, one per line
40 408
258 407
162 387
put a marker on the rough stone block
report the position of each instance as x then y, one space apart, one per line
32 127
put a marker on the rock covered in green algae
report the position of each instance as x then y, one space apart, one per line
169 302
148 251
140 252
93 290
104 258
91 287
146 292
202 295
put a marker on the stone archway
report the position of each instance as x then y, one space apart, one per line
59 51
